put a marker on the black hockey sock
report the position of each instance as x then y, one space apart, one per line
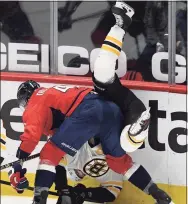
139 177
44 179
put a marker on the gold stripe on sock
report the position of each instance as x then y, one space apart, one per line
134 139
110 49
114 40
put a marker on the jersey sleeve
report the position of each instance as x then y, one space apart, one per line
33 129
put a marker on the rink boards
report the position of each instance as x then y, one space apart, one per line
164 154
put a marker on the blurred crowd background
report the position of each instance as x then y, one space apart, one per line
85 24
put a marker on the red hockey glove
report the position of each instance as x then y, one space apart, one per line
17 179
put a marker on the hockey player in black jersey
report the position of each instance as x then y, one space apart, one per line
107 83
135 114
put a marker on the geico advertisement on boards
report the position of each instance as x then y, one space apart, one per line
164 152
25 57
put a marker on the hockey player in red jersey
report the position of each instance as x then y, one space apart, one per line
44 108
75 109
71 111
78 113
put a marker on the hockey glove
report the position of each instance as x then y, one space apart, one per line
72 195
17 179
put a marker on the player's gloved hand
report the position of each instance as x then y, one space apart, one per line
20 154
17 179
72 195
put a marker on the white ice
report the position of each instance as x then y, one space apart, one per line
24 200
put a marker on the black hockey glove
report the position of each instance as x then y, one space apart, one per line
71 195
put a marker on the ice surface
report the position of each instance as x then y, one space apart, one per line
24 200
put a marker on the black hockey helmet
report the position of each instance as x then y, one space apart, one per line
25 91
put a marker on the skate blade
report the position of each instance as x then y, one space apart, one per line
130 10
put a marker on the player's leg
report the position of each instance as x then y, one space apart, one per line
50 157
140 178
83 124
110 129
77 129
107 83
110 138
104 67
61 181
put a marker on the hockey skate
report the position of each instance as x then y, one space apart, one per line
133 135
41 199
159 195
123 14
141 124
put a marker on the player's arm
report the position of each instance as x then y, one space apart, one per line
33 130
99 194
80 193
29 139
107 192
111 185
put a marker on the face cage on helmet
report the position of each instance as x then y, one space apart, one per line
22 103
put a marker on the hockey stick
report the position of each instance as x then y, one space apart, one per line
29 188
32 189
19 161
